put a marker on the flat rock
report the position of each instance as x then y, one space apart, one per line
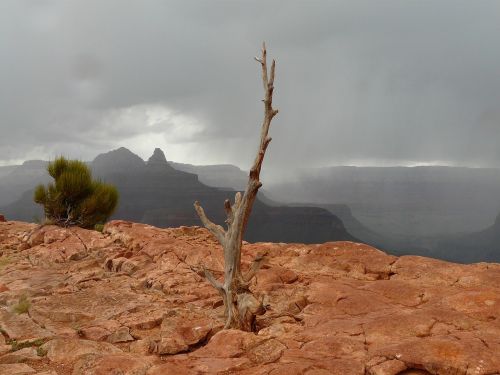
219 365
22 355
16 369
177 335
169 368
229 344
67 350
140 347
5 349
143 319
428 353
122 334
335 308
95 333
391 367
21 326
123 364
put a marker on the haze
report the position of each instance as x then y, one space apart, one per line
358 83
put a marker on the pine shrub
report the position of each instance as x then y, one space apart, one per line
74 198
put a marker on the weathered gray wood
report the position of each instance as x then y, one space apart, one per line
241 306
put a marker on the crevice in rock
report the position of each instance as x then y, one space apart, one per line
200 344
391 272
154 346
78 236
428 331
340 298
484 342
365 343
412 369
421 301
455 282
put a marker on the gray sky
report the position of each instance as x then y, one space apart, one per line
358 82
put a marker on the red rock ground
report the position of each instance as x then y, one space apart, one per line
132 301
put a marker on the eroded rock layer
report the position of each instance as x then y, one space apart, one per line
132 300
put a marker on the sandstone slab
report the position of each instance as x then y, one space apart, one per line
123 364
122 334
16 369
19 356
21 326
335 308
67 350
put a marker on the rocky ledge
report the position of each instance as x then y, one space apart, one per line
132 301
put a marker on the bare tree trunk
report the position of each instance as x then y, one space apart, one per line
241 306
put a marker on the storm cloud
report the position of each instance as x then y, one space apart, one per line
358 82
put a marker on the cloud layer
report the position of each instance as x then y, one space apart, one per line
392 82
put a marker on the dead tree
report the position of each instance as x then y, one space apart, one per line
241 306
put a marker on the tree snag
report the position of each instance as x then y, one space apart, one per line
241 306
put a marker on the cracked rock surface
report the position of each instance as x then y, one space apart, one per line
132 301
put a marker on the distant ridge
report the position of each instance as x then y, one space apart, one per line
219 175
158 159
158 194
121 159
481 246
388 207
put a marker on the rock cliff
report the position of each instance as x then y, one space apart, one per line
484 244
155 193
132 301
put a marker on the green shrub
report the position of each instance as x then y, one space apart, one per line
41 352
16 345
75 198
22 306
99 227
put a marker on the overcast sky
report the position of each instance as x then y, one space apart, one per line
358 82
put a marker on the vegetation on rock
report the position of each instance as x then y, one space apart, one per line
22 305
18 345
75 198
4 261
